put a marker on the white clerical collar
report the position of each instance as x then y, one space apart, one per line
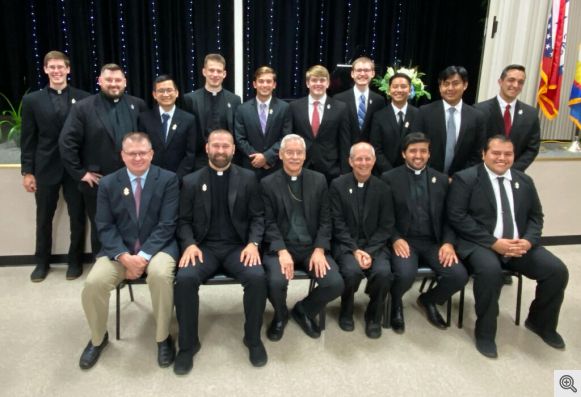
416 172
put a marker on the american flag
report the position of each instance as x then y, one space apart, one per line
553 59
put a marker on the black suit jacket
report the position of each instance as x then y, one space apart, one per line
327 153
246 209
525 132
385 136
117 221
278 207
195 104
177 154
471 137
377 221
472 209
40 134
249 136
398 180
374 103
87 141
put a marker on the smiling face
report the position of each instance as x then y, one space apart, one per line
264 85
512 84
214 72
416 155
220 149
165 94
362 160
57 72
112 83
399 91
452 89
362 72
498 156
317 86
137 155
293 156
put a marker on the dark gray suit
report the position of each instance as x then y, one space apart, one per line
41 127
525 132
472 212
375 102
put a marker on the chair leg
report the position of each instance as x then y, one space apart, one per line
322 314
423 284
387 311
461 308
449 312
117 312
518 299
130 292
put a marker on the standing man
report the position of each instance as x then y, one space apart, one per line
362 225
172 131
298 233
323 123
221 223
497 214
90 141
392 123
213 105
362 103
136 220
261 122
43 115
421 232
506 115
455 129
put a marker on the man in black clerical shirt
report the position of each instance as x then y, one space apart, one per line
298 233
43 115
220 226
362 225
213 105
421 232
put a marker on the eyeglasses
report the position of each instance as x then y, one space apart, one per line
134 155
165 90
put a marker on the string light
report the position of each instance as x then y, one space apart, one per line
35 52
348 32
93 39
296 49
374 28
218 25
191 59
270 33
64 30
322 31
247 31
123 38
153 12
396 60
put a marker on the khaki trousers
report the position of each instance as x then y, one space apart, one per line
106 274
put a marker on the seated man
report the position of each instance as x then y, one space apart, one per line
298 232
221 223
497 215
421 232
362 225
136 221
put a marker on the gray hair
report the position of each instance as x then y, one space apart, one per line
361 144
290 138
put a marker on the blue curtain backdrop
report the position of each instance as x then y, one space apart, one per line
172 36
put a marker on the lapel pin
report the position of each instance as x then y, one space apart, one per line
132 107
370 101
269 111
328 106
73 101
204 187
520 111
516 185
407 124
433 179
174 127
350 191
229 106
126 191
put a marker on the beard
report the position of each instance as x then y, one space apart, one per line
220 160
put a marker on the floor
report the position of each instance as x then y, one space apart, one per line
43 332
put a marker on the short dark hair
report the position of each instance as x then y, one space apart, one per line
498 137
403 75
113 67
264 70
414 137
57 55
221 131
451 71
513 66
163 78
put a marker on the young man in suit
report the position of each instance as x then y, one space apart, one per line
497 215
221 224
506 115
136 220
362 225
213 105
43 115
362 103
90 141
323 122
392 123
261 122
172 131
456 130
298 233
421 232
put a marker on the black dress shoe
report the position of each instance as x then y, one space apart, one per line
39 273
184 361
166 352
551 338
306 323
372 329
397 320
276 329
346 322
257 354
74 271
91 353
432 313
486 347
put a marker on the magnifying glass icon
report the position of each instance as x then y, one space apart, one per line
566 383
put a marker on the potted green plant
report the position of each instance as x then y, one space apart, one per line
12 120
